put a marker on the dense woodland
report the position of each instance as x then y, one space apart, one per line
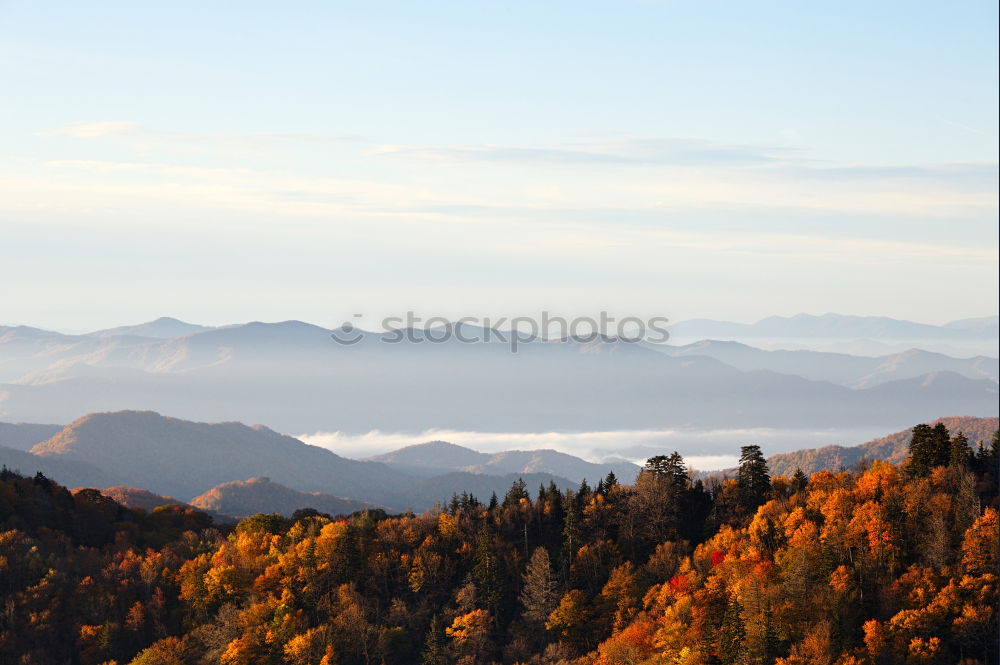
877 565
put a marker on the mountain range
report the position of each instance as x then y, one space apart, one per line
293 376
211 462
839 326
207 464
841 368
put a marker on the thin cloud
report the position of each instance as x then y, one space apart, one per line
681 152
704 450
95 130
154 138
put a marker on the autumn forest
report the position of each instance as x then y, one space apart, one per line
872 565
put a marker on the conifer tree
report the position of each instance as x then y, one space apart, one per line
799 481
434 648
960 453
538 593
753 479
732 634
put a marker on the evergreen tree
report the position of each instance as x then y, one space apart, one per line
799 481
572 536
941 446
434 649
610 482
753 479
518 490
732 634
960 453
929 447
486 572
538 593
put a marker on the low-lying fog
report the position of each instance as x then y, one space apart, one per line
704 450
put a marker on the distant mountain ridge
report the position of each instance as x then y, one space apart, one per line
72 473
295 377
438 457
840 368
22 436
833 326
164 327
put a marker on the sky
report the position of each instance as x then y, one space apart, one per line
224 162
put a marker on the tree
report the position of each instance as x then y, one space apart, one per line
929 447
979 548
518 490
310 648
168 651
753 479
486 571
471 635
538 593
959 452
621 596
671 468
434 650
732 633
571 619
799 481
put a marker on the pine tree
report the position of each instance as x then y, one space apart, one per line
753 479
572 536
799 481
518 490
960 453
929 447
486 571
538 593
732 634
434 648
610 482
941 446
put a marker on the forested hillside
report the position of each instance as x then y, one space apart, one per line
888 564
891 448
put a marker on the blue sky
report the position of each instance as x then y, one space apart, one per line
226 162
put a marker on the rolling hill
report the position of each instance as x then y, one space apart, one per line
184 459
241 498
133 497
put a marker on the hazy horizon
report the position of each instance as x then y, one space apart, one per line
221 323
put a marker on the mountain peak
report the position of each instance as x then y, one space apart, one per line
165 327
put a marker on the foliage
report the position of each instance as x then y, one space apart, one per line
875 566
